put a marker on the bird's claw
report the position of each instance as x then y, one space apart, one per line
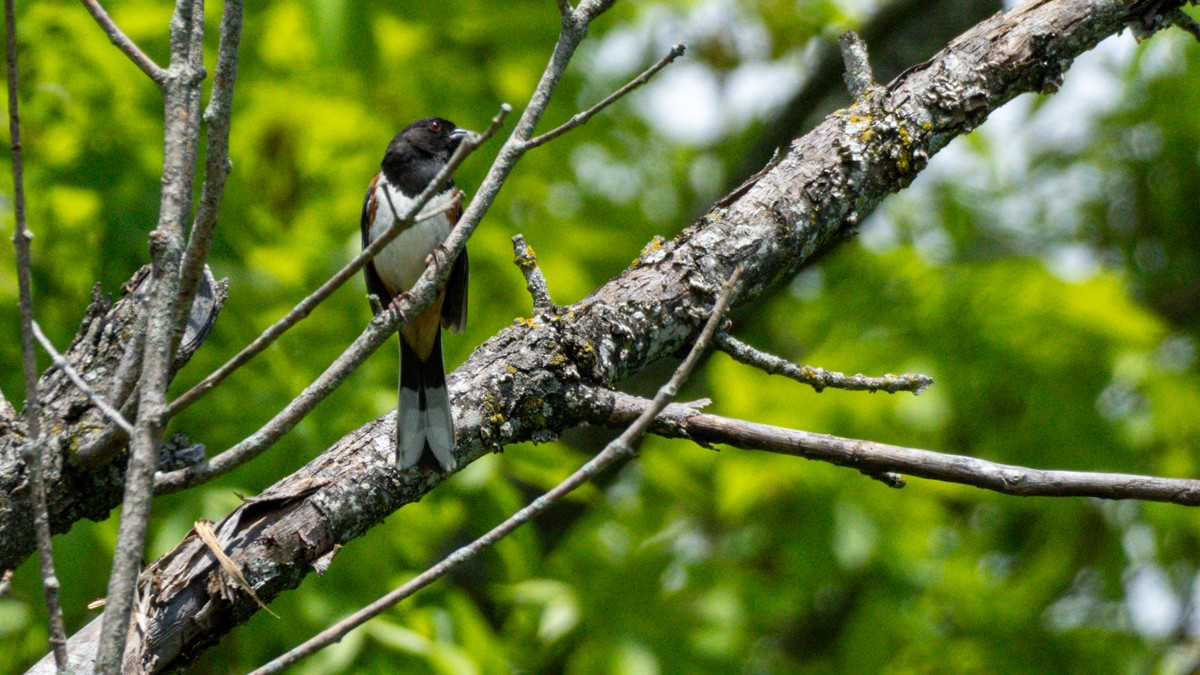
438 257
394 306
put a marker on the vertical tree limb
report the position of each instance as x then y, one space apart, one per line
181 129
32 409
217 163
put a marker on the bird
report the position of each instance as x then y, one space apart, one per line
414 156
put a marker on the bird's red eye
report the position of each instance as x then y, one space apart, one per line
435 126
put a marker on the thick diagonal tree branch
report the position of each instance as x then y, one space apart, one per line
535 378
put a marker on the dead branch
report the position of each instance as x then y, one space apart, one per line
874 459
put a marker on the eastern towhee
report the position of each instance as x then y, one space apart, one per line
413 158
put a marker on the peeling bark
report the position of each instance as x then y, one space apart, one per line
70 423
526 383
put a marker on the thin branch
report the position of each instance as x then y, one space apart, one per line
877 459
619 448
1184 21
122 42
564 8
217 164
819 378
32 409
6 583
181 129
581 118
535 281
308 304
858 69
93 396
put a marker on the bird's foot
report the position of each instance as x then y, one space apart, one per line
438 257
394 306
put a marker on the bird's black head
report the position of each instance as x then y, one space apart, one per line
419 151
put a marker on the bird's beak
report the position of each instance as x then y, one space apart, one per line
460 133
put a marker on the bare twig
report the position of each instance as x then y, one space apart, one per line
306 306
876 459
32 408
217 164
122 41
858 69
564 8
181 98
620 447
819 378
535 281
93 396
581 118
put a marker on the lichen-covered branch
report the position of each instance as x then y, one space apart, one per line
819 378
535 281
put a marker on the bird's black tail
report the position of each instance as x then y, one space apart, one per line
423 416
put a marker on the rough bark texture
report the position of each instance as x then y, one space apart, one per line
70 422
525 383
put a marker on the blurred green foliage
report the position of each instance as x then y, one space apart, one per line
1044 271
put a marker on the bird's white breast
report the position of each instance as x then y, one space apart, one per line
401 262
